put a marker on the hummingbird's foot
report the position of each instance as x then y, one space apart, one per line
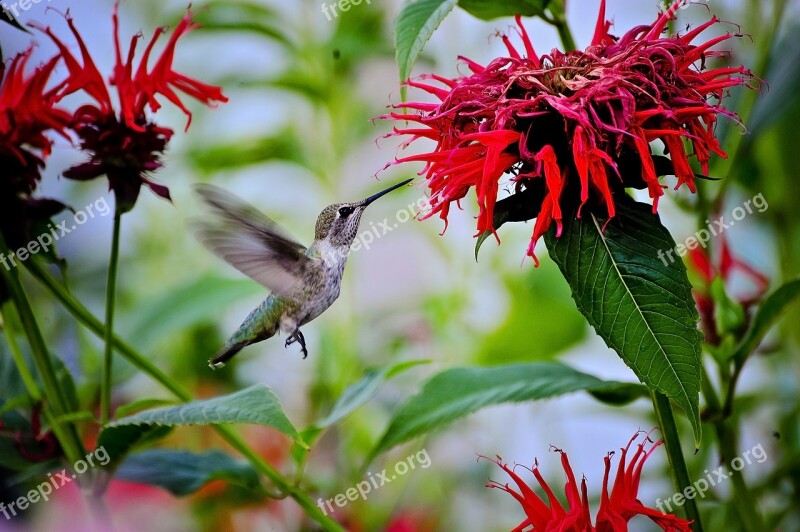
297 336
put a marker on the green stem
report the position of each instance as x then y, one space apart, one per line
16 353
672 444
111 289
745 502
56 404
564 32
85 317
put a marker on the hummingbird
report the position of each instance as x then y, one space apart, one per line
303 282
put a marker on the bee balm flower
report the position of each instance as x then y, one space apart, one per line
575 126
616 508
124 144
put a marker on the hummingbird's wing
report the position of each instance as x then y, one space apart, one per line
250 242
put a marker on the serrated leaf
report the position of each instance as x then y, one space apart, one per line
256 404
458 392
117 442
417 21
359 393
639 304
490 9
183 472
768 313
141 404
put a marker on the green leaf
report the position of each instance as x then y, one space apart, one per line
458 392
285 145
365 389
241 17
489 9
639 303
768 313
141 404
256 404
539 307
182 472
117 442
619 394
417 21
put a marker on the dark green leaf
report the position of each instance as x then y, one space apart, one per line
458 392
768 313
117 442
639 303
256 404
182 472
619 394
489 9
417 21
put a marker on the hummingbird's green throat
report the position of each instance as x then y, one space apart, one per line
304 281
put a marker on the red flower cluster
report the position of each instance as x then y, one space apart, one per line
575 125
124 144
616 508
28 112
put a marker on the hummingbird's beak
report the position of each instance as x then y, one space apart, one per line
383 192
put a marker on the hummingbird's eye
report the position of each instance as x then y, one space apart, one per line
344 212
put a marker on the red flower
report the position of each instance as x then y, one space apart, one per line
28 114
36 446
125 144
573 126
726 266
615 510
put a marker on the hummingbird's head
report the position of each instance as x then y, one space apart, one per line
338 223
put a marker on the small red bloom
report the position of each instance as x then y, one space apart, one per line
616 508
124 144
579 121
726 266
28 117
36 446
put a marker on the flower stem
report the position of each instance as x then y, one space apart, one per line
56 403
85 317
16 353
672 443
745 502
111 288
565 34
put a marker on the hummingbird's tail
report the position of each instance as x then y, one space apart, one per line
227 353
